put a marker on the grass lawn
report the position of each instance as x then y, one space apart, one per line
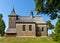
26 40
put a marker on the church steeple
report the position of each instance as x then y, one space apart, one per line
13 12
12 19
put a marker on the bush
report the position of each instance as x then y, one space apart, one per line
56 34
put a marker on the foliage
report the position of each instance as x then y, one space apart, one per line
50 26
49 7
1 16
56 35
2 25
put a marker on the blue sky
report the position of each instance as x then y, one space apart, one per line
22 8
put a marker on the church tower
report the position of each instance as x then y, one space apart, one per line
12 19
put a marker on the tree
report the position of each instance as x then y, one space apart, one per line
56 34
2 25
49 7
50 26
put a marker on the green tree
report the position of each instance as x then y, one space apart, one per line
2 25
50 26
49 7
56 34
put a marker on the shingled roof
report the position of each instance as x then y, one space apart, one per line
36 19
11 30
31 18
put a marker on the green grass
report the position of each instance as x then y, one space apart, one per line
26 40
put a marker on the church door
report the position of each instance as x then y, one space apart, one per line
38 31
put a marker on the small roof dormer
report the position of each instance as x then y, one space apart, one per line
31 14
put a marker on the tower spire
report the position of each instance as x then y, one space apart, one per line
13 11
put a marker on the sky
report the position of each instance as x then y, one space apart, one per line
22 8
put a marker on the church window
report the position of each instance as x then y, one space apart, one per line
30 27
42 28
23 27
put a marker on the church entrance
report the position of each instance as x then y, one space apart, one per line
38 31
